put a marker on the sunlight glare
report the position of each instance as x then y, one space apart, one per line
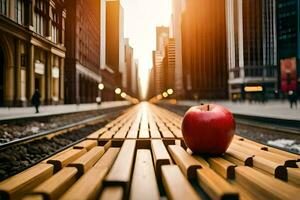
141 17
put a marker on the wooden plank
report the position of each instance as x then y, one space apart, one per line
143 133
215 186
274 168
185 161
160 156
294 176
107 135
167 134
120 172
175 184
88 186
112 193
64 159
264 186
266 154
132 134
33 197
144 185
155 134
108 158
222 167
16 186
240 155
96 134
86 161
121 134
86 144
284 153
60 182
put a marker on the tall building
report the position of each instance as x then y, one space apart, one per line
32 51
129 63
83 51
178 7
162 39
205 73
115 54
170 65
251 40
288 37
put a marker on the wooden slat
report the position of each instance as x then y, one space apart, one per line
175 184
294 175
274 168
64 159
112 193
86 144
121 170
86 161
97 133
185 161
160 156
144 185
222 167
264 186
155 134
215 186
143 133
107 135
121 134
132 133
88 186
108 158
33 197
240 155
55 186
167 134
19 184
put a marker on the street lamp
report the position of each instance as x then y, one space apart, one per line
123 94
118 91
170 91
101 86
165 94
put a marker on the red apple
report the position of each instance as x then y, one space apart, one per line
208 129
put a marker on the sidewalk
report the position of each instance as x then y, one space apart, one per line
23 112
272 109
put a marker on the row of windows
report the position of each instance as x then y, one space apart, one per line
3 7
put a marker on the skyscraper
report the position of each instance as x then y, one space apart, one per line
288 33
178 7
251 41
115 53
204 49
83 51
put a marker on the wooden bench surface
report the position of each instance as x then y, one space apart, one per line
141 155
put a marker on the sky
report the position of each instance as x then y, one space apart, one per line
141 17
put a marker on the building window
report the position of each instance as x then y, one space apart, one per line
3 7
19 11
55 28
40 17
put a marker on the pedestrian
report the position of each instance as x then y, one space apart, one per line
35 100
293 98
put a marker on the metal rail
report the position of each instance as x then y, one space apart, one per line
56 131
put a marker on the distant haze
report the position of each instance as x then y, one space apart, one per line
140 20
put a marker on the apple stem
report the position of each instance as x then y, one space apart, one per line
208 107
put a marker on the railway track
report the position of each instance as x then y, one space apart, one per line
263 130
22 153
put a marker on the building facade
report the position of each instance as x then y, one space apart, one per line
288 53
252 46
178 7
83 51
32 51
205 73
115 54
170 66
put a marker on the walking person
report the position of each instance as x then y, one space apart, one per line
35 100
293 98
